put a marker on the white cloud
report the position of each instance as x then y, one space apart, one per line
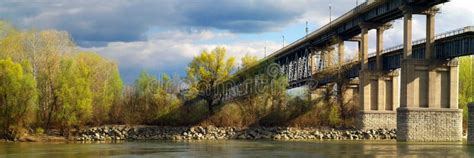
171 51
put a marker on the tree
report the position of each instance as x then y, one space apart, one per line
68 82
6 29
155 98
17 95
105 83
466 84
206 72
249 61
146 87
74 95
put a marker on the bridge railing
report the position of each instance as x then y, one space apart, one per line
419 41
352 11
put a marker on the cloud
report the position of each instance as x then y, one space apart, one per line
119 20
96 22
171 51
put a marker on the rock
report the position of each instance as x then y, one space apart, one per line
212 133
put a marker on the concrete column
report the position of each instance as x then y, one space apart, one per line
434 91
453 84
365 86
364 48
350 92
359 51
434 79
430 34
407 98
329 57
379 48
312 57
381 94
365 91
407 33
340 52
470 124
381 91
395 91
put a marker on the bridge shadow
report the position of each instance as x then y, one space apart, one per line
262 111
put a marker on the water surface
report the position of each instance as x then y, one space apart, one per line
234 148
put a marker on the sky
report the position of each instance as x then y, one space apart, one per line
162 36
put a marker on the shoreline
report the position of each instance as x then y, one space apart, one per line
123 133
140 132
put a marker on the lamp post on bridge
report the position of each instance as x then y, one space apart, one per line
330 14
283 37
306 28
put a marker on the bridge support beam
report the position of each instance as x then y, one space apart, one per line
378 90
429 93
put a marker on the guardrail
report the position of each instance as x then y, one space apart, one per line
352 11
419 41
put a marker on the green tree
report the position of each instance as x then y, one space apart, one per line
155 98
17 96
205 72
105 83
74 94
66 79
249 60
466 84
146 87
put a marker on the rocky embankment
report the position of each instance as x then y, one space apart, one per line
114 133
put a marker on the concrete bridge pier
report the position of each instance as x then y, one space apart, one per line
378 100
429 92
378 90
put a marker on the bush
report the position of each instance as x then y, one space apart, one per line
39 131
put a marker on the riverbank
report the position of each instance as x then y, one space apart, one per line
114 133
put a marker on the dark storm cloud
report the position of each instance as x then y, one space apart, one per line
238 16
97 22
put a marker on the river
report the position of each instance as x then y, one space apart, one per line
235 148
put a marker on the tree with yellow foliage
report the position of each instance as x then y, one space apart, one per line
206 72
17 97
249 61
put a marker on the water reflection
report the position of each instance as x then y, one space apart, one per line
238 149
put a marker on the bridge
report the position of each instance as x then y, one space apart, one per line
412 87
